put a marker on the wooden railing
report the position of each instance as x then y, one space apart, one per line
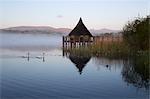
68 41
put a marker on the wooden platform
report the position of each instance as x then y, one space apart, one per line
68 42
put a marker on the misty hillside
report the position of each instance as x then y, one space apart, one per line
104 30
51 30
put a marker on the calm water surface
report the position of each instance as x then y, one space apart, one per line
27 73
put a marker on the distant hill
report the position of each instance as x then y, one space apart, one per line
51 30
102 31
37 29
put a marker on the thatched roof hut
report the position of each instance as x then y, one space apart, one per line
79 36
80 29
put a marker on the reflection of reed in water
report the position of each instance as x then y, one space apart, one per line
78 57
136 72
108 63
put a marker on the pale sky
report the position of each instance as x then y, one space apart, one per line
96 14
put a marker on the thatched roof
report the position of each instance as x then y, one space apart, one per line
80 29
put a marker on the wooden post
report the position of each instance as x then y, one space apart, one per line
28 56
79 42
71 43
63 41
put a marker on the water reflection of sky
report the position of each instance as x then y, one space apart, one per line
58 77
29 40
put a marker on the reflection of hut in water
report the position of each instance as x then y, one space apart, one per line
78 36
78 58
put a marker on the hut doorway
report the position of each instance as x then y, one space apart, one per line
81 39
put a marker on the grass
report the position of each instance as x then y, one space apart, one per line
108 49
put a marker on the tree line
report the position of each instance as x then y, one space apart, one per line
136 34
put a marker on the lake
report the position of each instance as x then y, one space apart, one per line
34 66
